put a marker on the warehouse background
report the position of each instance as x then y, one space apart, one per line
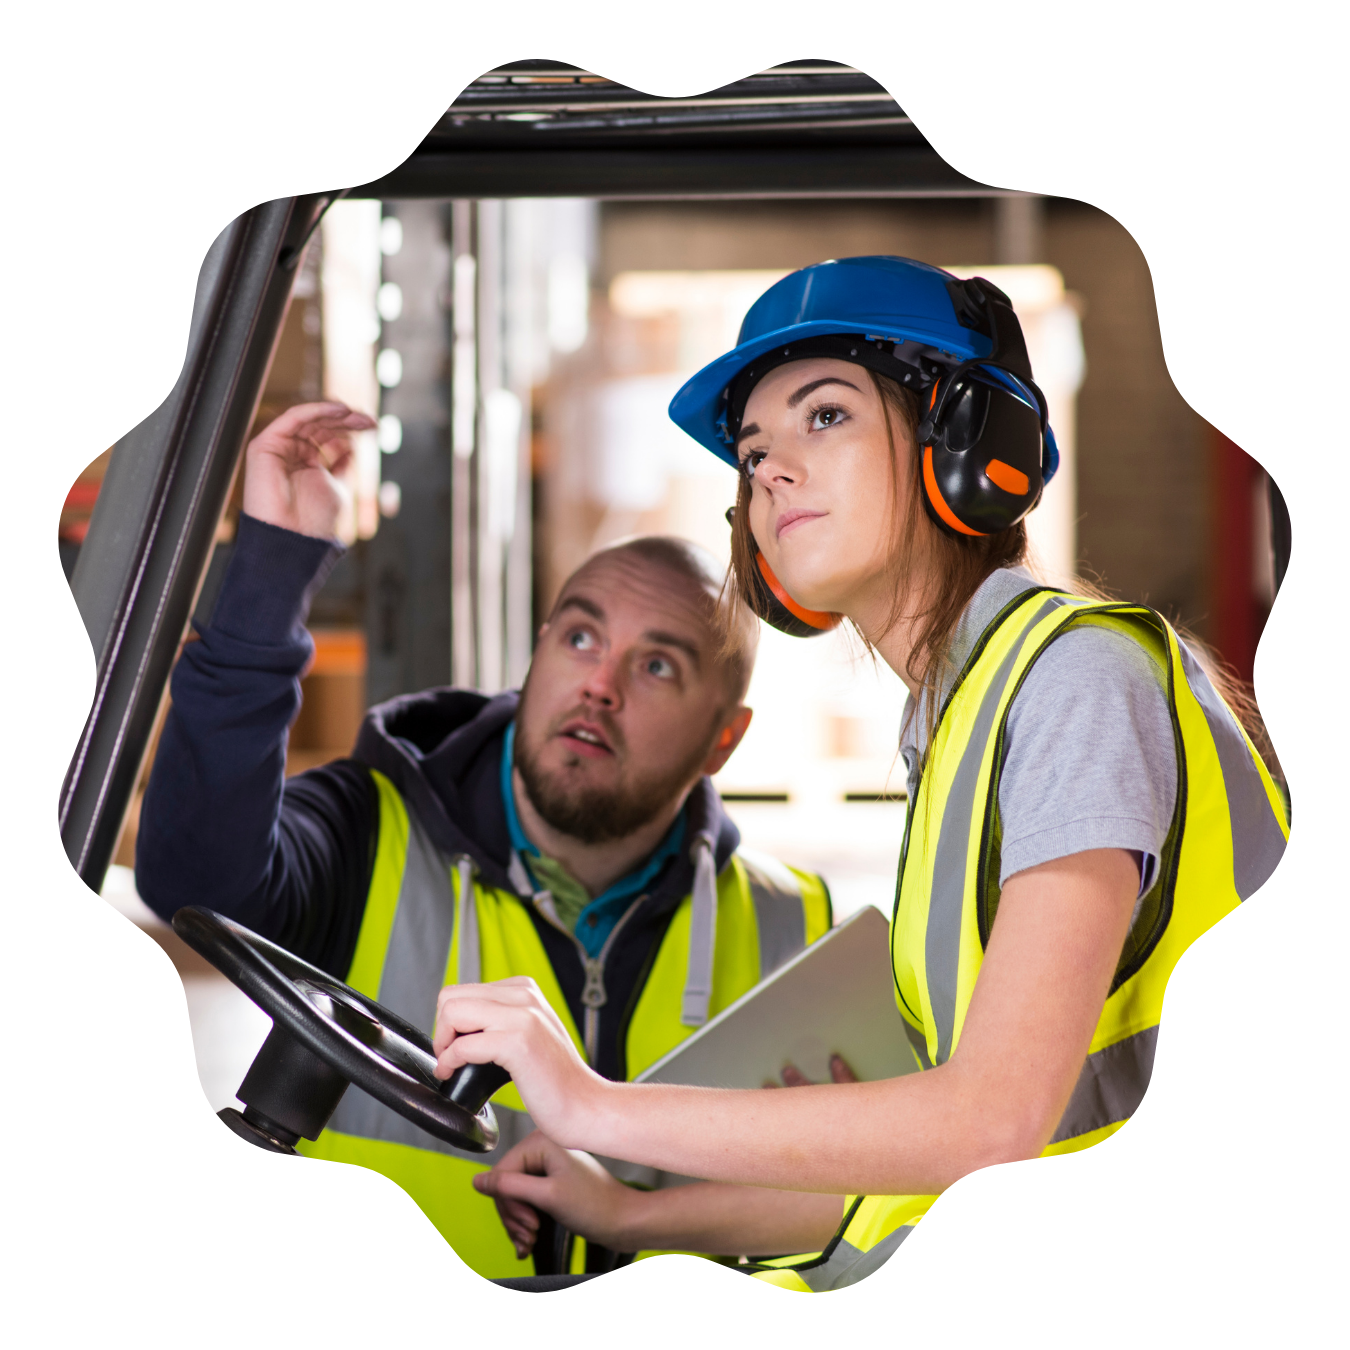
520 354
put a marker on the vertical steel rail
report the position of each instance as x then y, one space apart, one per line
153 528
464 662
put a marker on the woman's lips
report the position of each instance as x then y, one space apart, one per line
794 517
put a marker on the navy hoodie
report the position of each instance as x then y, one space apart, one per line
221 826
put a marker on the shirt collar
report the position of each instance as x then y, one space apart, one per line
994 593
631 884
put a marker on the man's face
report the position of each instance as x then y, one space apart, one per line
624 702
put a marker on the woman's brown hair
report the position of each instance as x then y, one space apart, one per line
960 566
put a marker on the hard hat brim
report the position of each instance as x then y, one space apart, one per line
698 407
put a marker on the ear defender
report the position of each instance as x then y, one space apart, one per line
771 602
985 439
983 455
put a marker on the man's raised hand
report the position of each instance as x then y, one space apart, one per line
293 466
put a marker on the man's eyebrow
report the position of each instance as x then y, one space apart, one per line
583 604
816 384
662 639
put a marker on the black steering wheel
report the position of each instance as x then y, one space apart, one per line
326 1035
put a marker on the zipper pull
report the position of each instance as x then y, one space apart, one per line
593 995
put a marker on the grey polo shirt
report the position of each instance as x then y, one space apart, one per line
1091 762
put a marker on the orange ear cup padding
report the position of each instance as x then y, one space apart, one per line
816 618
936 498
725 738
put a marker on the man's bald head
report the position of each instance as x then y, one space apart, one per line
699 580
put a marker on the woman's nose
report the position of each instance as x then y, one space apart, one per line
778 468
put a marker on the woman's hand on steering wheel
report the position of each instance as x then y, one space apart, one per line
510 1023
577 1191
294 466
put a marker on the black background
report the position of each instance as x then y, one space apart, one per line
141 155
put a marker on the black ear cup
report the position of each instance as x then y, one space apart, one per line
775 606
983 456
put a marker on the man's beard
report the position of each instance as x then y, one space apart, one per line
596 815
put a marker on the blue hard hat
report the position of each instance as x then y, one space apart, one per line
893 301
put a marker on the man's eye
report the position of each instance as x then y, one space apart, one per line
661 668
580 640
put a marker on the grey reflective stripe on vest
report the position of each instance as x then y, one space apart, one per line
413 974
702 936
848 1264
779 915
1258 841
470 966
942 939
779 912
918 1042
419 941
1111 1086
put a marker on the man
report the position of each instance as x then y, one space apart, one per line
569 833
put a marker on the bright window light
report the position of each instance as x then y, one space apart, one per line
569 302
389 301
389 368
391 498
391 235
390 433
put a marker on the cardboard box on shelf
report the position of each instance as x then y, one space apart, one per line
333 693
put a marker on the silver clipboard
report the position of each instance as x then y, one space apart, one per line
837 995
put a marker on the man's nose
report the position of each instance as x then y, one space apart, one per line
604 686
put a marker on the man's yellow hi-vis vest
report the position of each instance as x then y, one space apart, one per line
430 922
1227 834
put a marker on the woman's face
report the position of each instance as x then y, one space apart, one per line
822 488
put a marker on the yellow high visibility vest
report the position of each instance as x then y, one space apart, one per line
1227 834
429 921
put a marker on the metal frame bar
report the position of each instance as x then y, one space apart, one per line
153 528
661 172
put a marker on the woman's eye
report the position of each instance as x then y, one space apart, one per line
751 462
825 417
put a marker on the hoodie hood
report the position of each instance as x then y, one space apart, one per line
442 750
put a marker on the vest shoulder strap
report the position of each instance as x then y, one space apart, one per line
777 895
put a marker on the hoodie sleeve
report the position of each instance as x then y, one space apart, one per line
220 825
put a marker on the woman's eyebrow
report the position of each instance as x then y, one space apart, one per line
753 428
816 384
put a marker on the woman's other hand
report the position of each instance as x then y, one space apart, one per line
293 467
510 1023
840 1072
571 1186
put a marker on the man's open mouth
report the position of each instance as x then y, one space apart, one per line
586 738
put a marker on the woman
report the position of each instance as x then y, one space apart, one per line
1082 803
